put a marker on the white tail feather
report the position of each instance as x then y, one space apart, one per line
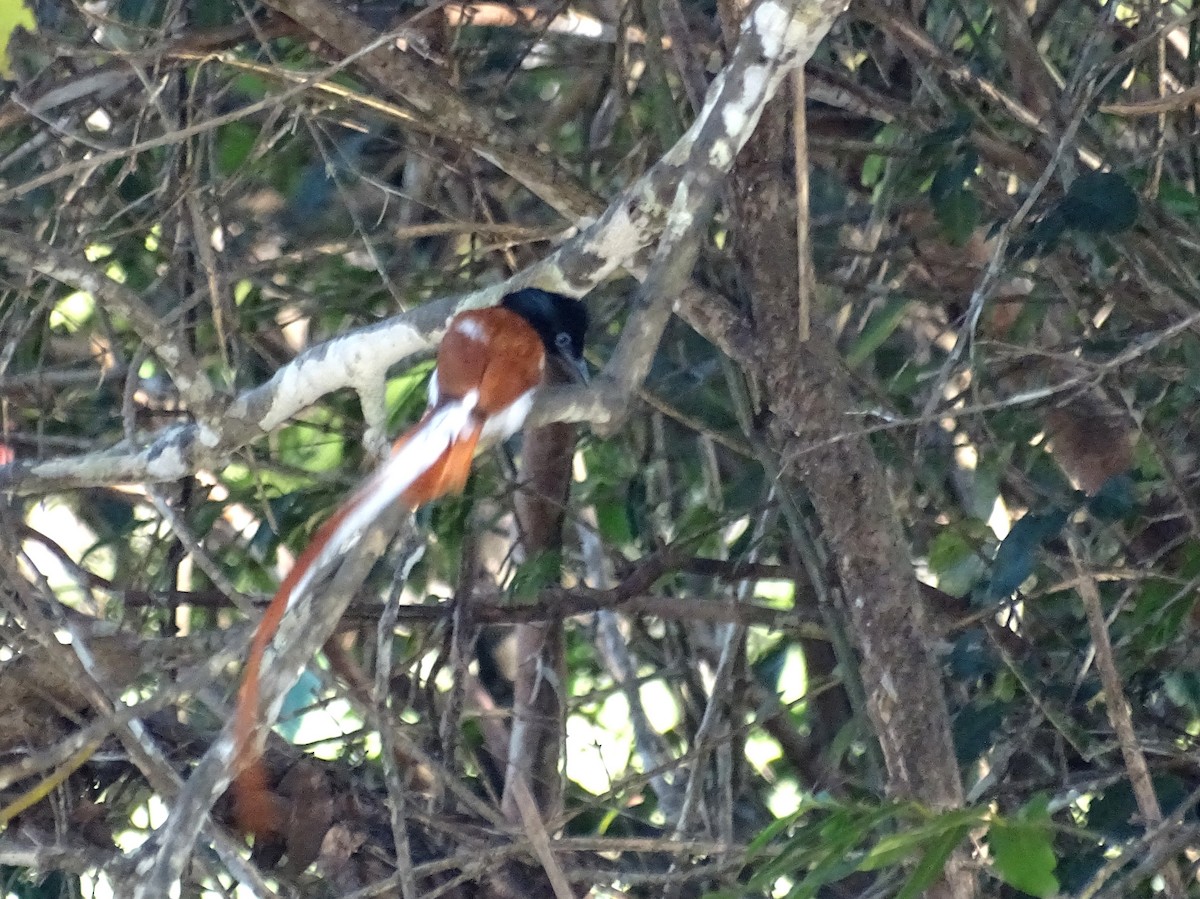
391 479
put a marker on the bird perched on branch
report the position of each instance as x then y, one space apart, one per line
489 366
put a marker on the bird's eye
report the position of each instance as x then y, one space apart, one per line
563 341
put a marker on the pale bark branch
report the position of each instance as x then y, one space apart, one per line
776 38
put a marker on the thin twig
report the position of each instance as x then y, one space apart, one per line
1117 706
397 791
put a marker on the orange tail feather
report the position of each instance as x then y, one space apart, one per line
449 474
256 808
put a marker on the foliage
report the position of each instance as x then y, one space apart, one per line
13 14
1026 359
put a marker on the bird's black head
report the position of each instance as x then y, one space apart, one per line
560 321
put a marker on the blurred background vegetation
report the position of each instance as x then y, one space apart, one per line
1005 220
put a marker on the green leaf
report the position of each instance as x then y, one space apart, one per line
1036 809
879 328
1183 689
1017 554
772 830
1177 199
406 395
958 214
1159 611
1024 857
894 848
930 867
1100 203
947 549
312 446
234 143
253 86
874 166
1114 500
543 570
14 14
612 518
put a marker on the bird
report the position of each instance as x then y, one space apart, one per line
489 366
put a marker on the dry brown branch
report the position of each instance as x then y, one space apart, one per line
422 87
806 388
532 778
1117 706
1179 102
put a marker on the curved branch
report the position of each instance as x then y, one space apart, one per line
777 37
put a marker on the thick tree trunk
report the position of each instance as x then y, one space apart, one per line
808 390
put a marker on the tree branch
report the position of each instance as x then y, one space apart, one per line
423 87
776 38
26 255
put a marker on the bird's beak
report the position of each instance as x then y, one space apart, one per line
576 369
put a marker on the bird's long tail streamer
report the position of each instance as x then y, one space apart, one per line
431 459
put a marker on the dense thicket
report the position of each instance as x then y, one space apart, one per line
875 574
